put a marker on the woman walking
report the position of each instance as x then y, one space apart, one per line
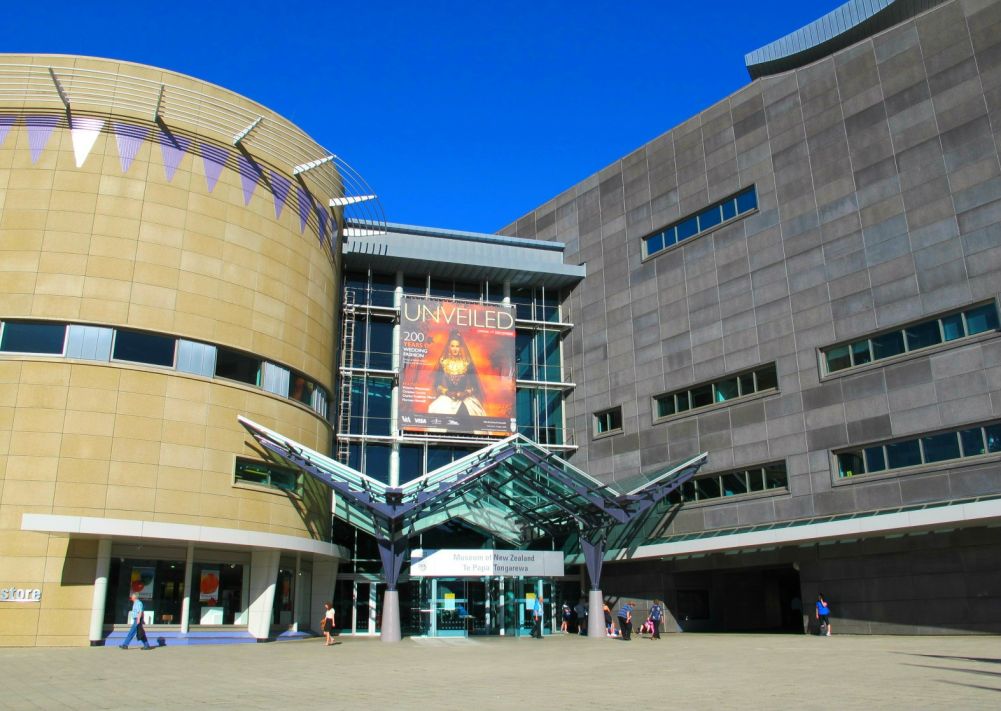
328 624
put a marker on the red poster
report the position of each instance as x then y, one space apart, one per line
457 367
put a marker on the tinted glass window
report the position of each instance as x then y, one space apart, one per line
687 228
889 344
850 464
726 390
775 476
838 359
993 433
766 378
874 459
144 348
709 218
380 391
708 488
670 237
665 406
747 201
33 338
923 335
734 484
377 461
702 396
746 383
973 442
940 447
903 454
729 209
952 327
756 479
860 353
236 366
383 286
982 318
380 345
681 402
655 243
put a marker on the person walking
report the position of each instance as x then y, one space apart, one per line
537 618
137 624
608 619
626 620
327 624
823 614
567 615
581 611
656 613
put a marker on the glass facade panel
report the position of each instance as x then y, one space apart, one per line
887 345
377 461
524 346
940 447
875 460
380 345
952 327
903 454
860 353
972 441
44 338
838 359
981 319
923 335
383 287
727 390
149 348
379 400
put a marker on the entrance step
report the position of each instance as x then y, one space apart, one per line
176 638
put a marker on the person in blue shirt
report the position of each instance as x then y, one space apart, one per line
137 622
656 613
626 620
537 618
824 613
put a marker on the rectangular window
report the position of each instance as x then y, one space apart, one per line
42 338
725 390
608 421
735 484
236 366
702 221
89 342
926 449
914 337
149 348
253 471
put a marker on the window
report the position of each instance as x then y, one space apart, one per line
731 388
252 471
928 449
706 219
732 483
149 348
236 366
924 334
43 338
608 421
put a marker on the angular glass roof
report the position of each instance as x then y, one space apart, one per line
513 489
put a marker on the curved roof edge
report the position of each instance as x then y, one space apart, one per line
842 27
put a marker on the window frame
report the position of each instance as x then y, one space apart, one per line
669 236
679 396
596 422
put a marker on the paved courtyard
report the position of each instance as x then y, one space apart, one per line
680 671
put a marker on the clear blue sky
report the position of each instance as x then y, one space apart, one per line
463 115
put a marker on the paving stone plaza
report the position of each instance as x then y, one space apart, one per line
680 671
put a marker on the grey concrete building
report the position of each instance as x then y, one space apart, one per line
803 280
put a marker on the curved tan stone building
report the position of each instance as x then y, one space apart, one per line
166 264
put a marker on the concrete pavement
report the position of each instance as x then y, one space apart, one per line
691 671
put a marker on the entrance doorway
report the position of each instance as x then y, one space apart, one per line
358 606
460 607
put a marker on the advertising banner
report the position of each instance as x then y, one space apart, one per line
141 582
208 588
457 367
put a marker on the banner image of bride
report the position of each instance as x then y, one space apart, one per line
456 382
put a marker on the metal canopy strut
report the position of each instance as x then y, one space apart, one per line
514 489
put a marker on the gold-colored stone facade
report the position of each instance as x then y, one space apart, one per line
96 245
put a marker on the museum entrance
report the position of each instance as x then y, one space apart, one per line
462 607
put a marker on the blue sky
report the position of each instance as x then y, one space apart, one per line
463 115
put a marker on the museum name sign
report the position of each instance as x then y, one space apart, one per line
451 562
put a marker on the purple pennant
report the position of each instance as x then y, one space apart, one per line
173 148
5 123
250 174
280 186
214 159
305 202
39 130
129 138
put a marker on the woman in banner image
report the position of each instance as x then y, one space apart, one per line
455 382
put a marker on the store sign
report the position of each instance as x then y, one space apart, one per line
457 367
450 562
13 594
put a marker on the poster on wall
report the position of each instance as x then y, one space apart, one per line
141 582
457 367
208 588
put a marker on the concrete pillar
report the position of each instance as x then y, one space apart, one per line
263 580
595 615
101 570
189 562
391 631
324 580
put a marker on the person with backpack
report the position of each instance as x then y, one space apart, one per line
824 615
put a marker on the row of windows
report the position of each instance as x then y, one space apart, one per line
252 471
924 334
730 388
927 449
706 219
734 483
531 303
416 460
106 344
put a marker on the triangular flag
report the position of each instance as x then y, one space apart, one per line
84 132
5 123
304 204
129 138
39 130
250 174
214 159
173 148
280 186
